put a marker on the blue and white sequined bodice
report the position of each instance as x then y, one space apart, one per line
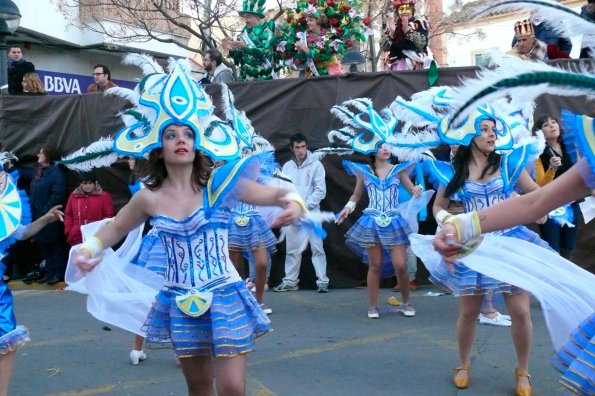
383 196
477 196
196 249
242 212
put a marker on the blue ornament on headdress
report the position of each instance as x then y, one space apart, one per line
380 128
177 99
463 133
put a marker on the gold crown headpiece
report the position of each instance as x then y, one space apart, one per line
523 28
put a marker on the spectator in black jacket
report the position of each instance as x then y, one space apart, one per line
47 189
17 68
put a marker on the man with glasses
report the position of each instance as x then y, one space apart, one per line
103 79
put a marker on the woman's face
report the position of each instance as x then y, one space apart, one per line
42 159
312 24
383 152
87 186
551 129
486 142
178 144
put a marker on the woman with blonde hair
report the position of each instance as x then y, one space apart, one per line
32 84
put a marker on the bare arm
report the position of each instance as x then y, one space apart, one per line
529 207
133 214
521 210
128 218
441 202
52 215
408 184
258 194
355 197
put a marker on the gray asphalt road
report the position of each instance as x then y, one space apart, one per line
323 344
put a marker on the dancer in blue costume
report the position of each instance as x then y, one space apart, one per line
15 215
380 235
482 178
249 234
576 357
204 308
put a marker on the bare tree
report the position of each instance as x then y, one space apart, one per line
166 21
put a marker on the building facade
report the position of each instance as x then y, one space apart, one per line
64 54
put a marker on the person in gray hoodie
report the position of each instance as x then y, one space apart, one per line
308 176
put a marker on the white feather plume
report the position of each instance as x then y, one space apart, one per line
129 94
98 154
143 61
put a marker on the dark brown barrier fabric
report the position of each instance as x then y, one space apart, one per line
277 109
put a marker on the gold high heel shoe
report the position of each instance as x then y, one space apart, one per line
461 377
523 390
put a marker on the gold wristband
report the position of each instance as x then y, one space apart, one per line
295 197
94 246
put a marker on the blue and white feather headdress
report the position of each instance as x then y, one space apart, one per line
162 99
365 129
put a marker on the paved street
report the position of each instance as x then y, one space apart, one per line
323 344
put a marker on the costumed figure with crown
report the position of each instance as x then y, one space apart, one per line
479 178
405 42
527 46
253 51
202 305
16 218
380 235
317 32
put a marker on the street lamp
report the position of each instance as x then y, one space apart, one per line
10 17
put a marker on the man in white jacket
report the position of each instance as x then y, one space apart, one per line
308 176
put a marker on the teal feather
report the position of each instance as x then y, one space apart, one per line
556 79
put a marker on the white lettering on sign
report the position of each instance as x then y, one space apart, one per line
61 84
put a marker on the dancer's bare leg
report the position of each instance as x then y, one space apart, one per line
199 372
231 375
6 366
260 263
374 268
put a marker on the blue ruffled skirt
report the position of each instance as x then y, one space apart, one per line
466 282
366 233
11 335
576 359
254 234
151 254
228 328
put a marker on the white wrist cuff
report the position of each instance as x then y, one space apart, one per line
441 216
467 226
351 206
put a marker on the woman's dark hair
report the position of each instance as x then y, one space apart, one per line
138 166
460 164
542 119
51 153
154 171
88 176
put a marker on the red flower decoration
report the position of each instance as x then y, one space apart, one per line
340 31
330 3
367 21
345 8
333 21
348 43
302 20
313 2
